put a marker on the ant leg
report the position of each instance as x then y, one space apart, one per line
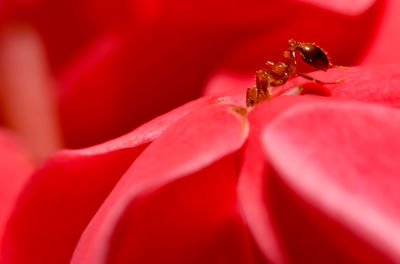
252 96
305 76
263 84
336 66
261 91
269 63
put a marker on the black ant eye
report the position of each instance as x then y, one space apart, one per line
314 56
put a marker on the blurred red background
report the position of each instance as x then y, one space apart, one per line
76 73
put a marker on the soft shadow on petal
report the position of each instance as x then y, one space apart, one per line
192 144
191 220
334 189
252 180
63 195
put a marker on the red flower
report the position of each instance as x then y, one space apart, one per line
299 179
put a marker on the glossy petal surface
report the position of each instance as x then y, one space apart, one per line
340 184
186 153
252 179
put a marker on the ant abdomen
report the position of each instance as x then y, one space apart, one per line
313 55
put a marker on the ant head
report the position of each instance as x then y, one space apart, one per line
313 55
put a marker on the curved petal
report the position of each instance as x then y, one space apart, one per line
65 193
351 8
193 144
15 169
252 180
378 84
191 220
385 46
334 191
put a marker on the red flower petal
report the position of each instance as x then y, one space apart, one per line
385 46
343 6
65 193
223 83
172 169
15 169
334 195
192 220
379 84
252 178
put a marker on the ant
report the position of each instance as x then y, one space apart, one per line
278 73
